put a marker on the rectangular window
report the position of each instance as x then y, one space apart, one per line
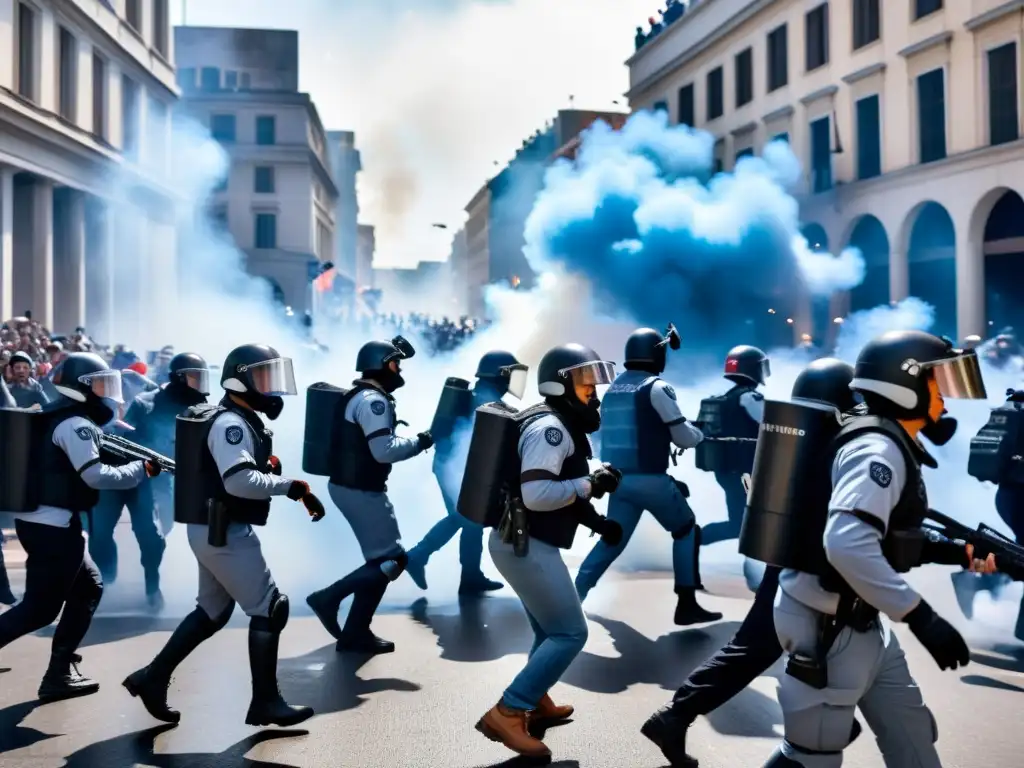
99 97
816 37
821 155
748 152
222 128
716 100
26 52
161 27
924 8
68 73
186 77
1003 115
744 77
266 230
209 79
156 131
231 79
246 81
687 110
660 106
133 14
931 115
266 130
130 117
867 24
778 58
264 179
869 138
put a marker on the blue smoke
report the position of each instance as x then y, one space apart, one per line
658 235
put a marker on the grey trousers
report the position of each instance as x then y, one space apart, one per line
372 519
235 572
865 669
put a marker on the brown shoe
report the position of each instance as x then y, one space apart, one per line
547 710
508 726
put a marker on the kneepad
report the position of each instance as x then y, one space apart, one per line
686 530
276 618
393 567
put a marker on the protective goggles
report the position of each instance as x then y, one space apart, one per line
593 374
959 376
516 375
272 378
105 384
196 378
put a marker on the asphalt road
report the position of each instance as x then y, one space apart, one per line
416 708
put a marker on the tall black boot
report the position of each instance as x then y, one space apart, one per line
688 611
6 596
268 707
357 637
326 603
667 729
63 680
151 682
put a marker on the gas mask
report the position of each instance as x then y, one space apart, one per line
941 431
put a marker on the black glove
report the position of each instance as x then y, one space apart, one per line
426 440
604 479
1015 395
298 490
938 636
314 506
610 532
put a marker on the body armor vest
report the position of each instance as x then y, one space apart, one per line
634 439
723 416
353 464
62 485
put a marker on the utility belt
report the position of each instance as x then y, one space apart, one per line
852 612
220 516
514 528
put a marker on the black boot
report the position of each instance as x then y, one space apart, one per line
150 683
667 729
63 680
268 707
326 603
477 584
357 637
689 612
6 596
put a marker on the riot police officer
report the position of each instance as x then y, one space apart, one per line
227 475
498 373
730 423
364 446
755 647
834 624
555 488
60 577
640 422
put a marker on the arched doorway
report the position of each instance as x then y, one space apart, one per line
1004 263
931 257
869 237
821 317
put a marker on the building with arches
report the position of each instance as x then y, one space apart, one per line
906 117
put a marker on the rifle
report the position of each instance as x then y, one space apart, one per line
1009 555
127 450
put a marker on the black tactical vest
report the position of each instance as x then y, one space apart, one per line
723 416
62 485
557 527
353 465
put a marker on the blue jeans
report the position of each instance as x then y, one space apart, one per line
549 598
662 498
471 540
145 526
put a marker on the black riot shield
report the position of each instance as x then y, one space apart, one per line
995 455
19 440
710 455
490 465
193 464
790 487
321 401
456 403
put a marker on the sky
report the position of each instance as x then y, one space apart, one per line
441 93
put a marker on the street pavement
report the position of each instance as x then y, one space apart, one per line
416 708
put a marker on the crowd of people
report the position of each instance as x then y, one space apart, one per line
440 335
673 11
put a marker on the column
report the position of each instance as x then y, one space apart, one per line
899 276
970 284
108 262
6 243
70 303
42 251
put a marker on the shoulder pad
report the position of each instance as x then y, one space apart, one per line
203 412
529 415
862 425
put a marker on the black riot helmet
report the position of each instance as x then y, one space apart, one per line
747 365
646 349
827 381
259 376
381 361
893 373
503 373
187 369
563 369
86 378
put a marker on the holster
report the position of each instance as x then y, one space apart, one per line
851 612
217 514
515 526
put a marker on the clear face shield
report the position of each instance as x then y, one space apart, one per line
595 374
766 369
959 377
516 375
105 385
273 378
196 378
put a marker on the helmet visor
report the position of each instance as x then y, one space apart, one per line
516 375
196 378
105 384
960 377
766 368
593 374
273 378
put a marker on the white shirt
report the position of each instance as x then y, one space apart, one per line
544 446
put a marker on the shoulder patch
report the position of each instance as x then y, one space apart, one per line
670 392
233 434
880 473
553 436
84 433
377 407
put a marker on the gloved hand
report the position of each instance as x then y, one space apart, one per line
298 490
604 479
1015 395
314 506
275 465
938 636
152 468
426 440
610 532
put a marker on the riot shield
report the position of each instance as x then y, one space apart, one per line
456 403
492 459
192 462
321 401
19 439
